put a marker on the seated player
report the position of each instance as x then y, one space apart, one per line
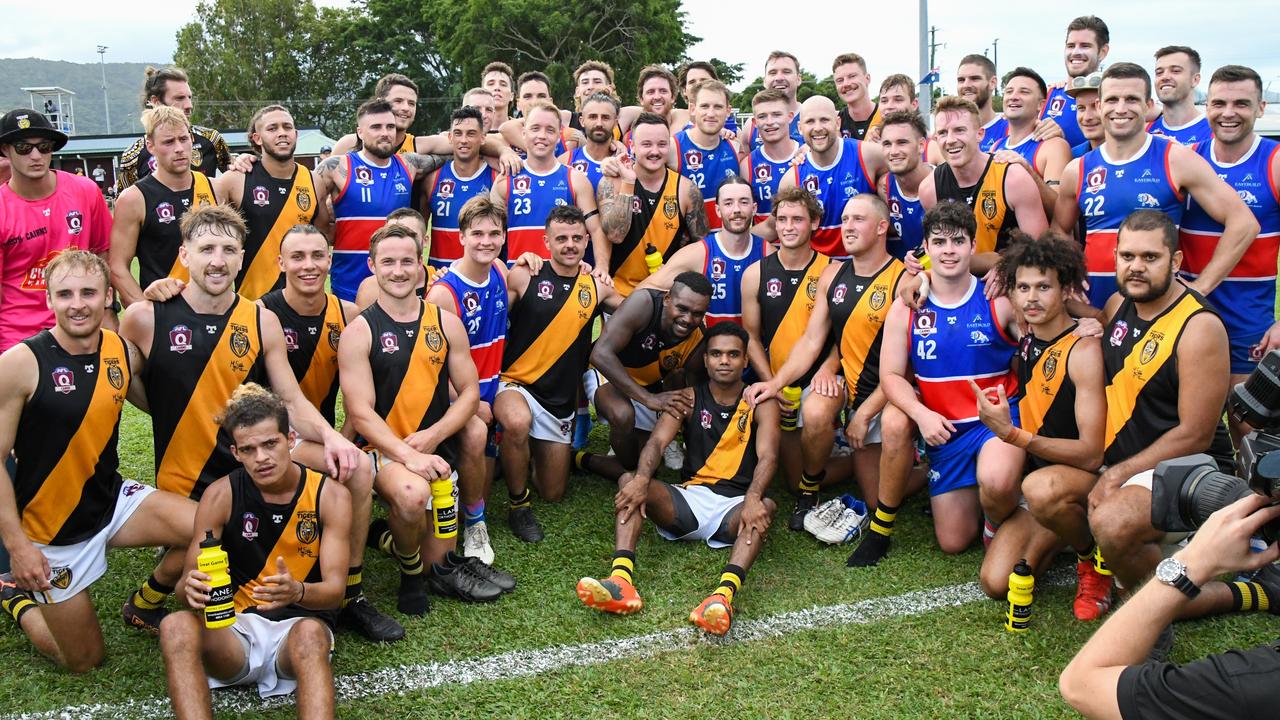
552 313
65 504
284 529
732 452
644 354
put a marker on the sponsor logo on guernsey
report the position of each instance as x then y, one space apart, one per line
1148 200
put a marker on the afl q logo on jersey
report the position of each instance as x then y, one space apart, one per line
470 302
773 288
704 418
764 173
64 381
261 197
75 222
837 295
249 526
1096 180
290 339
812 184
1055 107
433 339
926 323
520 185
544 290
239 341
693 160
164 213
717 269
180 339
580 166
445 189
363 176
389 342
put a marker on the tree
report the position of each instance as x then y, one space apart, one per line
729 74
809 86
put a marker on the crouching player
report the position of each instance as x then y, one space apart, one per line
731 456
284 529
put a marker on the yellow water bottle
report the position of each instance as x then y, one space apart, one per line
220 610
1022 585
444 508
790 407
652 258
923 256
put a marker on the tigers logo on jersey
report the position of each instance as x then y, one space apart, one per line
773 288
1149 350
580 166
180 339
64 381
544 290
303 200
717 269
164 213
584 297
240 340
290 339
470 302
363 176
334 333
390 343
764 173
308 527
115 375
988 204
837 296
705 419
261 197
693 160
60 577
1051 364
742 421
1096 180
75 221
878 297
811 288
445 190
433 339
670 208
197 157
520 185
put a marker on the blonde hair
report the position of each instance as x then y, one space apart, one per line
220 219
542 106
162 116
75 259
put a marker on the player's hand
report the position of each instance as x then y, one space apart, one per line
1222 544
341 456
30 567
633 489
914 266
617 148
1011 157
197 590
1200 286
914 290
994 283
825 383
164 289
856 432
1046 129
802 154
1108 482
994 412
509 163
728 134
873 135
754 520
279 590
428 467
424 441
1270 341
243 162
675 403
531 260
757 393
1088 327
935 429
485 413
601 274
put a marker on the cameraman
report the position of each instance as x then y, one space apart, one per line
1105 680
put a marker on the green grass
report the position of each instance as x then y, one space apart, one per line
957 662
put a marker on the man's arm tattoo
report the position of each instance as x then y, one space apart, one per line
615 211
695 219
425 164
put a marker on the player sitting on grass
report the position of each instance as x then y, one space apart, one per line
731 457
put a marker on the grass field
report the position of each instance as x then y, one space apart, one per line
895 660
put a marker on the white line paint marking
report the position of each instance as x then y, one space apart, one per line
525 663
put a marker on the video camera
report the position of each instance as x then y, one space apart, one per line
1186 490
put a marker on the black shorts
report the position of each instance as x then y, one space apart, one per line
1230 685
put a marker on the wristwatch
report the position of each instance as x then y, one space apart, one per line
1173 572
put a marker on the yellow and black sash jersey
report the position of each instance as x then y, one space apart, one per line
857 307
67 478
655 220
786 301
257 532
270 207
408 145
312 345
410 369
857 129
996 220
196 362
720 451
1141 362
209 154
549 340
1048 405
159 238
652 354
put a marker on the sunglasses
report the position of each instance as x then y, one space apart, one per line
24 148
1092 81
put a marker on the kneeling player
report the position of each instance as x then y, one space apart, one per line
731 457
284 529
66 504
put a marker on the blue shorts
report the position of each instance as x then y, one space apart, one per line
954 465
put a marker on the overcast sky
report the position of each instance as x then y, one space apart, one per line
886 33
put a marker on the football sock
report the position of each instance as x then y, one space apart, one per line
1249 597
17 606
882 520
523 499
811 483
410 564
624 565
473 513
730 582
1086 554
355 585
151 595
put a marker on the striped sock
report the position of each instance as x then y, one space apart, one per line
811 483
410 564
579 458
17 606
473 513
989 528
1249 597
524 499
355 585
882 520
1086 554
730 582
151 595
624 565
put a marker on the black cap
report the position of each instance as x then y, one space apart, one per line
25 123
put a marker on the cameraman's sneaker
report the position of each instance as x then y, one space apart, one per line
476 543
847 526
1093 592
823 515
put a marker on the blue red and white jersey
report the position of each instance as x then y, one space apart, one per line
483 311
833 186
359 209
906 219
1061 108
1079 151
1028 148
1108 192
765 173
446 197
1246 299
706 168
993 132
582 162
530 198
793 130
953 344
725 272
1196 131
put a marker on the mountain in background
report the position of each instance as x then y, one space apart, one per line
124 90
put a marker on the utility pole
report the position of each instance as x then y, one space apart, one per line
995 55
106 105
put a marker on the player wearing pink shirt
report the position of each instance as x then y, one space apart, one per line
42 213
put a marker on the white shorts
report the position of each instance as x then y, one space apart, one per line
709 508
379 461
874 435
1144 480
544 425
592 381
261 639
75 567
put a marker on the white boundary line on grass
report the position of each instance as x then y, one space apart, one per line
524 663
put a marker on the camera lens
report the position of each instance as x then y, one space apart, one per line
1206 492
